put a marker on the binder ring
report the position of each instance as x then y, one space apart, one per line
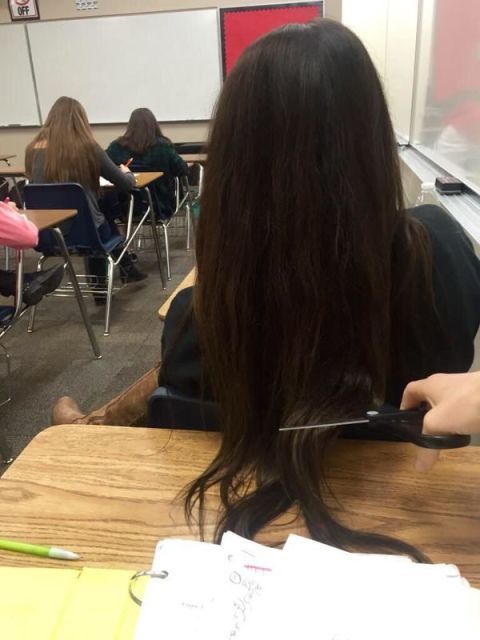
140 574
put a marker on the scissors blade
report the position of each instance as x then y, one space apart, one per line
327 425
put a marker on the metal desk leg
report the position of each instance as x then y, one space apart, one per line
188 200
78 294
156 240
200 180
130 217
190 225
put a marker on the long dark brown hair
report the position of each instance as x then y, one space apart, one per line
71 151
301 213
142 132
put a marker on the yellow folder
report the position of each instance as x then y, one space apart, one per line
66 604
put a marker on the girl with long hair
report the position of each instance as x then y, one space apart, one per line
318 295
65 150
150 150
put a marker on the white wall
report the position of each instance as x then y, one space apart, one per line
368 19
388 29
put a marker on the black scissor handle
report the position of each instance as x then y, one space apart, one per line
407 426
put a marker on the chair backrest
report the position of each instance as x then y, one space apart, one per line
4 188
80 233
190 147
172 410
6 314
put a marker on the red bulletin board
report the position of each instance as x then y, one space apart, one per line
240 26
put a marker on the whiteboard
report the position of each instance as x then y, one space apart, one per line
18 104
168 62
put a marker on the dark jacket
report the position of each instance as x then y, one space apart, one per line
123 181
456 283
159 157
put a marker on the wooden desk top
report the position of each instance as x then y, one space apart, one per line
200 158
46 218
144 178
188 281
11 172
109 493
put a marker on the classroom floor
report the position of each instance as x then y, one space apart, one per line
57 358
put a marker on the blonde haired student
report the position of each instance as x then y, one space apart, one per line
65 151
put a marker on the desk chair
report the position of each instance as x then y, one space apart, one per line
6 314
183 200
190 147
9 314
81 237
170 409
4 190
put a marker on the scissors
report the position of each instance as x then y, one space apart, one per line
404 425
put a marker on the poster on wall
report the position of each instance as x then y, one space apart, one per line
23 9
240 26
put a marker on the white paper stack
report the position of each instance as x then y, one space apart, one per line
243 590
103 182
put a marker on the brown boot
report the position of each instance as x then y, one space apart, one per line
67 411
127 409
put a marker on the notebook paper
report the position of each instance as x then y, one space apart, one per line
308 590
103 182
190 601
209 591
323 593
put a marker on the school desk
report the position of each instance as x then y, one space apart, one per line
200 159
143 181
110 493
12 172
50 219
188 281
196 158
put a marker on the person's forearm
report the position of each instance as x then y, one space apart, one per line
16 230
110 171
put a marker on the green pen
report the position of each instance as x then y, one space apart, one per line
38 550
